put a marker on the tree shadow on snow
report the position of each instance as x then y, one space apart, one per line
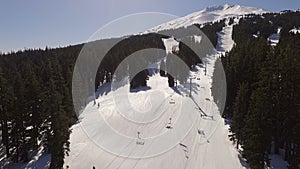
176 90
243 162
103 90
139 89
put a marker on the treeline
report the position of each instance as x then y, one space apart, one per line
124 48
35 103
190 50
128 46
263 89
135 45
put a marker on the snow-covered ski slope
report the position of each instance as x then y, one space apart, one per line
204 145
225 42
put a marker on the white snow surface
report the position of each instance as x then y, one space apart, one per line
295 30
211 149
171 45
197 38
210 14
225 42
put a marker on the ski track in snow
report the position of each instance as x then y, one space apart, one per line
200 150
225 42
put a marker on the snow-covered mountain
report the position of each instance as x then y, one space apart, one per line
205 146
206 141
210 14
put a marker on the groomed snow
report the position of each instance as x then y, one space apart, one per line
225 42
210 149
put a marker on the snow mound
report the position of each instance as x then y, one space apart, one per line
210 14
197 38
295 31
171 45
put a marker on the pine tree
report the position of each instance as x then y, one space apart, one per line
257 131
171 81
295 161
240 110
6 99
59 134
33 118
162 68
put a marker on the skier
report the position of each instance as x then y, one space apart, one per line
94 102
169 124
139 140
98 105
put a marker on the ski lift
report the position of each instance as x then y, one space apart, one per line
169 124
172 101
139 140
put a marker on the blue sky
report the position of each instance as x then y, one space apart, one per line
40 23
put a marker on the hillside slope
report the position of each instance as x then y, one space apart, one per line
205 142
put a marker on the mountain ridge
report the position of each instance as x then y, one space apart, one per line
208 14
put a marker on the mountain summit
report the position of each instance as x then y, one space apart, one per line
209 14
